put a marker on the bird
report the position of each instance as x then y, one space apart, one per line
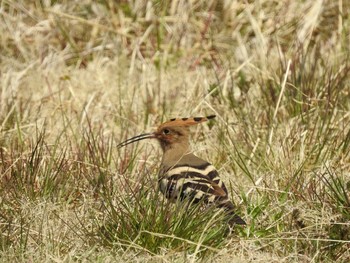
183 175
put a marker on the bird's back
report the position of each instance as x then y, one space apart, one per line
193 178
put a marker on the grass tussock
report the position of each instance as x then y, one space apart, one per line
79 77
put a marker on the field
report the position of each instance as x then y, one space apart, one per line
79 77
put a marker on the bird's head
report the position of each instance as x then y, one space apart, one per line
170 134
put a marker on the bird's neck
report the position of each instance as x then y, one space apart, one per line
172 154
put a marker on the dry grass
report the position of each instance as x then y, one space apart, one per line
77 77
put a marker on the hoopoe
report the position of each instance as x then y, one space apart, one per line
182 174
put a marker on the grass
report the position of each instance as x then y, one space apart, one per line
78 78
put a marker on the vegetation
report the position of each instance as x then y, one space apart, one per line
78 77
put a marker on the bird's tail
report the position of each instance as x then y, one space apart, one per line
229 207
236 220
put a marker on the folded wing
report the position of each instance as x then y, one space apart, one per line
197 183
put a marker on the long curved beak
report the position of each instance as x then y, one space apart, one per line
136 138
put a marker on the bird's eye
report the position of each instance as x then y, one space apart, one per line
166 131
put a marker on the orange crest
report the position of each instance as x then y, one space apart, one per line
185 122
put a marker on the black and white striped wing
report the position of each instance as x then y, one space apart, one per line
193 182
197 183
